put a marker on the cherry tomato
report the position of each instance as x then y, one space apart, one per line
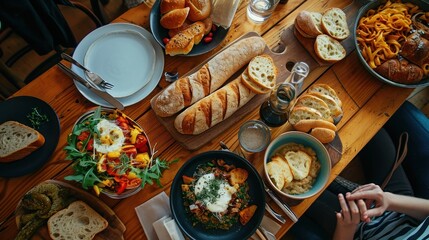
214 27
141 143
120 119
83 136
124 125
208 39
165 40
210 34
90 145
130 150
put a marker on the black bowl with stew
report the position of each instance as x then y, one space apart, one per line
181 209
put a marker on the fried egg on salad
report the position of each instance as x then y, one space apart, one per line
111 137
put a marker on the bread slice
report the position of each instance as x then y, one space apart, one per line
325 89
329 49
306 125
309 24
18 140
324 135
299 163
279 172
238 176
262 71
77 221
307 100
258 89
181 43
334 23
299 113
334 107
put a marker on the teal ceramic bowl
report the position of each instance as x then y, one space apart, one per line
308 141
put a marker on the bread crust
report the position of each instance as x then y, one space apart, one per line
24 150
307 100
181 43
199 9
306 125
175 18
169 5
299 113
308 25
329 49
218 70
324 135
334 23
251 85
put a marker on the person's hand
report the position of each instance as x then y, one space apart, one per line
349 217
372 195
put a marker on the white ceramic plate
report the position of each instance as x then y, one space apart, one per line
124 58
140 93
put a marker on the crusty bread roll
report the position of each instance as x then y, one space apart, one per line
306 125
329 49
174 31
400 70
299 113
324 135
309 24
199 9
208 24
18 141
316 103
217 70
213 109
181 43
169 5
174 18
334 23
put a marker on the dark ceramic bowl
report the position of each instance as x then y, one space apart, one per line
237 231
362 11
159 33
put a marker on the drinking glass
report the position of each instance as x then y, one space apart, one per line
260 10
253 136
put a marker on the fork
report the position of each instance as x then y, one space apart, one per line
97 80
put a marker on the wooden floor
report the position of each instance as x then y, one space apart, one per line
419 97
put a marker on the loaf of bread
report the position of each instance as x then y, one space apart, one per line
184 41
400 71
187 90
334 23
309 24
77 221
18 141
200 9
213 109
329 49
174 18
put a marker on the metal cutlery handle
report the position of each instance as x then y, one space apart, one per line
285 208
68 58
273 213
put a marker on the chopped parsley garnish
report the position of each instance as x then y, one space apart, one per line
37 118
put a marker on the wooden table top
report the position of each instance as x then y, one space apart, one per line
367 104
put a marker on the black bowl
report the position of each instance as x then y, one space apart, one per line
237 231
159 33
362 11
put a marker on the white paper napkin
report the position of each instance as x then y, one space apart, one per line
268 224
223 12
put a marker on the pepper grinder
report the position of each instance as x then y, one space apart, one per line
274 111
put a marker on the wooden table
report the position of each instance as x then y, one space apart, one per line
367 105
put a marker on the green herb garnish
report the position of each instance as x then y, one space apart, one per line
37 118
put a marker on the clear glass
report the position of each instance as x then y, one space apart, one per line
254 136
260 10
298 73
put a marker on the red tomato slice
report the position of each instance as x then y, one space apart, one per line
133 183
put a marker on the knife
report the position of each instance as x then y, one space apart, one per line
101 93
283 206
273 213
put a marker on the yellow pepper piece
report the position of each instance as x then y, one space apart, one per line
96 190
114 154
100 164
143 158
134 133
132 175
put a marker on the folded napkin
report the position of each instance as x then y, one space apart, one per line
223 12
155 218
269 225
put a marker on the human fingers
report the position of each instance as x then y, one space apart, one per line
354 210
363 210
365 187
344 208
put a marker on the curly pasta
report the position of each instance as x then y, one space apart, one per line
381 31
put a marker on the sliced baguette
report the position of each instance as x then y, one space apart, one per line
309 24
324 135
299 163
258 89
325 89
279 172
18 141
299 113
77 221
307 100
262 71
306 125
329 49
334 107
334 23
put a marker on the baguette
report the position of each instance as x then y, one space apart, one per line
334 23
18 141
329 49
279 171
309 24
299 113
307 100
306 125
251 85
213 109
324 135
217 71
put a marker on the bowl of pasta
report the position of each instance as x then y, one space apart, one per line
217 195
392 39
